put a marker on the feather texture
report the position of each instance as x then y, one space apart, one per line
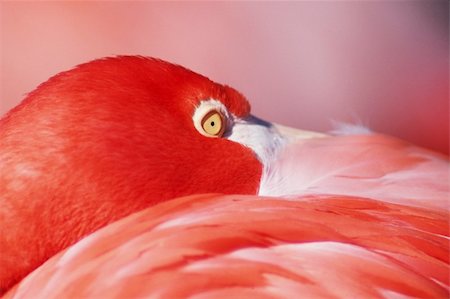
212 246
355 216
373 166
108 138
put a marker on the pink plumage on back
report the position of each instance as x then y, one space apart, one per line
212 246
374 166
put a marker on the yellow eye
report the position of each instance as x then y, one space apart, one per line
213 124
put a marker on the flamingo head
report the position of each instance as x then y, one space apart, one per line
112 137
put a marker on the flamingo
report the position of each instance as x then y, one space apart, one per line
133 177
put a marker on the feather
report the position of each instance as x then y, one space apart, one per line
373 166
214 246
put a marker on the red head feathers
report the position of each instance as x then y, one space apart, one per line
103 140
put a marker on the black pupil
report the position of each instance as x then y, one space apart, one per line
212 124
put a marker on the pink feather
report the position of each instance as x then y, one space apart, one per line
213 246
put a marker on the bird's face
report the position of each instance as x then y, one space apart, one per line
128 132
116 135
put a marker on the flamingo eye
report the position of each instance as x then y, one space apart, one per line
213 124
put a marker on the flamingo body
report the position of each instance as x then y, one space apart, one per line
213 246
373 166
96 161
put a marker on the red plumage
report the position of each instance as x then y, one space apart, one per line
101 141
352 216
211 246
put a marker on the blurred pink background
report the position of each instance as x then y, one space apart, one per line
301 64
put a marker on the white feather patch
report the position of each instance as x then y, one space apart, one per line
342 128
259 136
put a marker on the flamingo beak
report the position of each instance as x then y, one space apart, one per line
292 134
265 138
